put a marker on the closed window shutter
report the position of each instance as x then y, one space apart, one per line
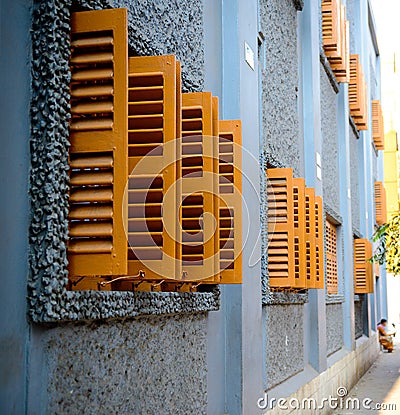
299 233
197 211
311 260
358 94
331 258
378 132
363 276
98 152
336 40
153 117
319 244
380 203
230 206
280 228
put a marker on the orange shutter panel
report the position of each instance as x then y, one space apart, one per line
378 132
198 193
152 194
280 228
230 208
363 275
299 222
319 244
331 27
358 94
98 152
331 258
311 262
380 203
341 65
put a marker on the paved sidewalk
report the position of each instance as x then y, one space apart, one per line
381 384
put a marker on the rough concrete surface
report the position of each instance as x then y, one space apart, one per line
380 385
151 366
334 327
284 337
358 318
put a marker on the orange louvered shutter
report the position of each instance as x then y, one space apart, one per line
311 262
230 208
299 222
380 203
152 194
363 276
98 136
358 94
331 258
197 212
319 243
336 40
378 132
280 228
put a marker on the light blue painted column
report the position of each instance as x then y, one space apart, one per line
315 309
345 211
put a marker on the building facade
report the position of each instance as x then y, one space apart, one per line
220 349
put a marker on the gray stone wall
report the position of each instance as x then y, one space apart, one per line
355 192
146 366
329 127
334 327
282 145
358 317
285 346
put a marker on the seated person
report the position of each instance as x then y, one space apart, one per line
385 338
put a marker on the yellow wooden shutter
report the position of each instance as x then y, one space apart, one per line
311 262
230 209
380 203
331 258
280 228
299 223
378 132
98 152
363 276
153 117
319 243
197 212
358 94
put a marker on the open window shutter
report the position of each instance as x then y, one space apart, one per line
230 208
363 276
153 116
380 203
280 228
378 132
331 27
358 94
98 136
299 222
331 258
319 244
341 64
198 192
311 262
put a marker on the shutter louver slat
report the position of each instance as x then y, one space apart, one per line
98 134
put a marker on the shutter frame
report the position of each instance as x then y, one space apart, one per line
93 136
299 189
358 102
331 258
380 203
310 239
378 131
319 244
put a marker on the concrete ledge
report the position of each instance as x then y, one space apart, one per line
344 372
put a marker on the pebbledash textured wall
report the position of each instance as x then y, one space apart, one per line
81 358
354 183
285 345
150 365
282 141
359 317
329 133
334 325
